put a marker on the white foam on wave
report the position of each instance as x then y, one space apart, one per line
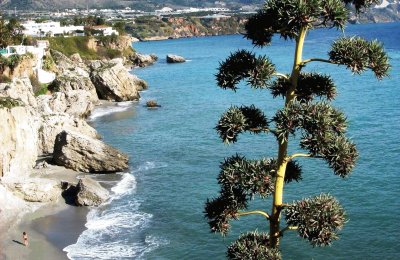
114 229
127 185
149 166
106 110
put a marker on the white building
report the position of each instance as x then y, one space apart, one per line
105 30
164 10
38 52
48 28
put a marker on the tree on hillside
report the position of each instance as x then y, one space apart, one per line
307 112
10 32
120 27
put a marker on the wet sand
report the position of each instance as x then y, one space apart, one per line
50 228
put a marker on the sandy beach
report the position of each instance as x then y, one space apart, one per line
54 225
50 228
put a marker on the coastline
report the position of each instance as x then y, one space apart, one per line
50 226
50 229
46 226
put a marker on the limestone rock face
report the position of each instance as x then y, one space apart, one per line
64 63
77 103
53 124
76 79
114 82
76 58
73 74
35 189
143 60
171 58
18 140
90 193
19 88
85 154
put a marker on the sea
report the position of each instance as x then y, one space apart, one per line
157 207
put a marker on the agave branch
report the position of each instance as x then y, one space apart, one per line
244 65
358 55
254 212
318 218
283 230
237 120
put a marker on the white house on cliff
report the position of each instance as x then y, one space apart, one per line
48 28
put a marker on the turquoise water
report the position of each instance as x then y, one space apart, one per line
157 210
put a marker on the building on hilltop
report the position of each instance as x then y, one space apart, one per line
38 53
101 30
32 28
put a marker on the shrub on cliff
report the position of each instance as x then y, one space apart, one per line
106 47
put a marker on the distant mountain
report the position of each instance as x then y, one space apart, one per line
136 4
388 10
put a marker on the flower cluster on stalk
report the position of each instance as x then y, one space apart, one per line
245 65
253 245
310 85
317 219
237 120
358 55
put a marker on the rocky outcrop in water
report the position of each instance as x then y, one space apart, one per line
143 60
86 154
113 82
171 58
87 192
90 193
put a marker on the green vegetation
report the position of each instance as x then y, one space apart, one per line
12 61
72 45
150 26
42 90
89 20
37 87
120 27
307 112
104 47
7 102
10 31
48 63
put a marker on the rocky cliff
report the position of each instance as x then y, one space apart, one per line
29 127
155 28
19 126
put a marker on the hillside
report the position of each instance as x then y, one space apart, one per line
153 28
388 11
136 4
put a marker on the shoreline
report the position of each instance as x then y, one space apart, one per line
48 229
51 226
41 223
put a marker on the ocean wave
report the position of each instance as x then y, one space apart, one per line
127 185
115 230
149 166
106 110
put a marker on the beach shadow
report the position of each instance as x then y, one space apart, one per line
18 242
69 193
